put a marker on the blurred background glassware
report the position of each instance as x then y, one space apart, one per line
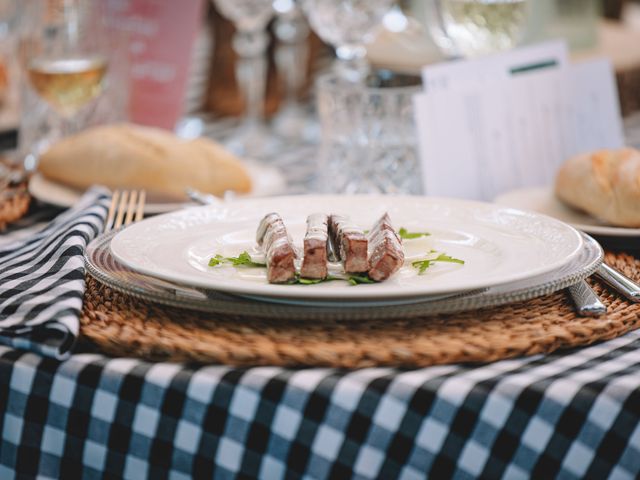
468 28
9 75
8 18
347 25
403 44
369 140
574 20
293 121
250 17
65 56
64 53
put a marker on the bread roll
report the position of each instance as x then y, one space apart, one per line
130 156
605 184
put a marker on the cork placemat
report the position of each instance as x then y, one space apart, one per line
119 325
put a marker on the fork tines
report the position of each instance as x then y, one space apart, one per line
126 207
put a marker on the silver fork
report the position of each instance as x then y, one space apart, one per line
126 207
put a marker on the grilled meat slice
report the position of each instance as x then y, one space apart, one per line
386 250
314 262
349 244
278 249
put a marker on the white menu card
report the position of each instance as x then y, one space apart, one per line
489 125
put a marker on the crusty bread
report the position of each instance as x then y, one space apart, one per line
131 156
605 184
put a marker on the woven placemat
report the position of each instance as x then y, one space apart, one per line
119 325
14 204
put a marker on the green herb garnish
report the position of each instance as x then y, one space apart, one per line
406 235
358 279
215 261
422 265
313 281
242 260
352 279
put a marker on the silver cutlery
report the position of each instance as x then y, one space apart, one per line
126 207
201 198
619 282
587 303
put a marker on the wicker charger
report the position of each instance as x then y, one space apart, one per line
14 204
120 325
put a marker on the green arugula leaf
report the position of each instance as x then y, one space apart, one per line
358 279
215 261
422 265
446 258
352 279
406 235
308 281
242 260
314 281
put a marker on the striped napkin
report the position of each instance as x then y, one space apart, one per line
42 277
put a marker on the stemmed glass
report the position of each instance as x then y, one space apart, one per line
250 42
468 28
65 55
347 25
291 31
8 15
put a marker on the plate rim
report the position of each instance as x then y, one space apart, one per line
37 181
38 185
579 269
600 230
280 291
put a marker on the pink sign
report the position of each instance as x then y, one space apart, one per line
161 35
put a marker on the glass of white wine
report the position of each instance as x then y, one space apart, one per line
469 28
64 53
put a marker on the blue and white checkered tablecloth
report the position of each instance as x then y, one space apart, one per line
571 415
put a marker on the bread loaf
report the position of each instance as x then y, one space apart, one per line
130 156
605 184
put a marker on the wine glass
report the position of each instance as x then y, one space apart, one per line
468 28
8 15
291 31
65 55
250 42
347 25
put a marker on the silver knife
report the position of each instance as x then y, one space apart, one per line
586 301
619 282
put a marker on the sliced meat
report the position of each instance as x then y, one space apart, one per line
314 262
278 249
386 250
349 244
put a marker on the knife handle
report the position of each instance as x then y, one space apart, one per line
586 301
619 282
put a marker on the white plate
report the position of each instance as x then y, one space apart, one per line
542 200
266 181
499 245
